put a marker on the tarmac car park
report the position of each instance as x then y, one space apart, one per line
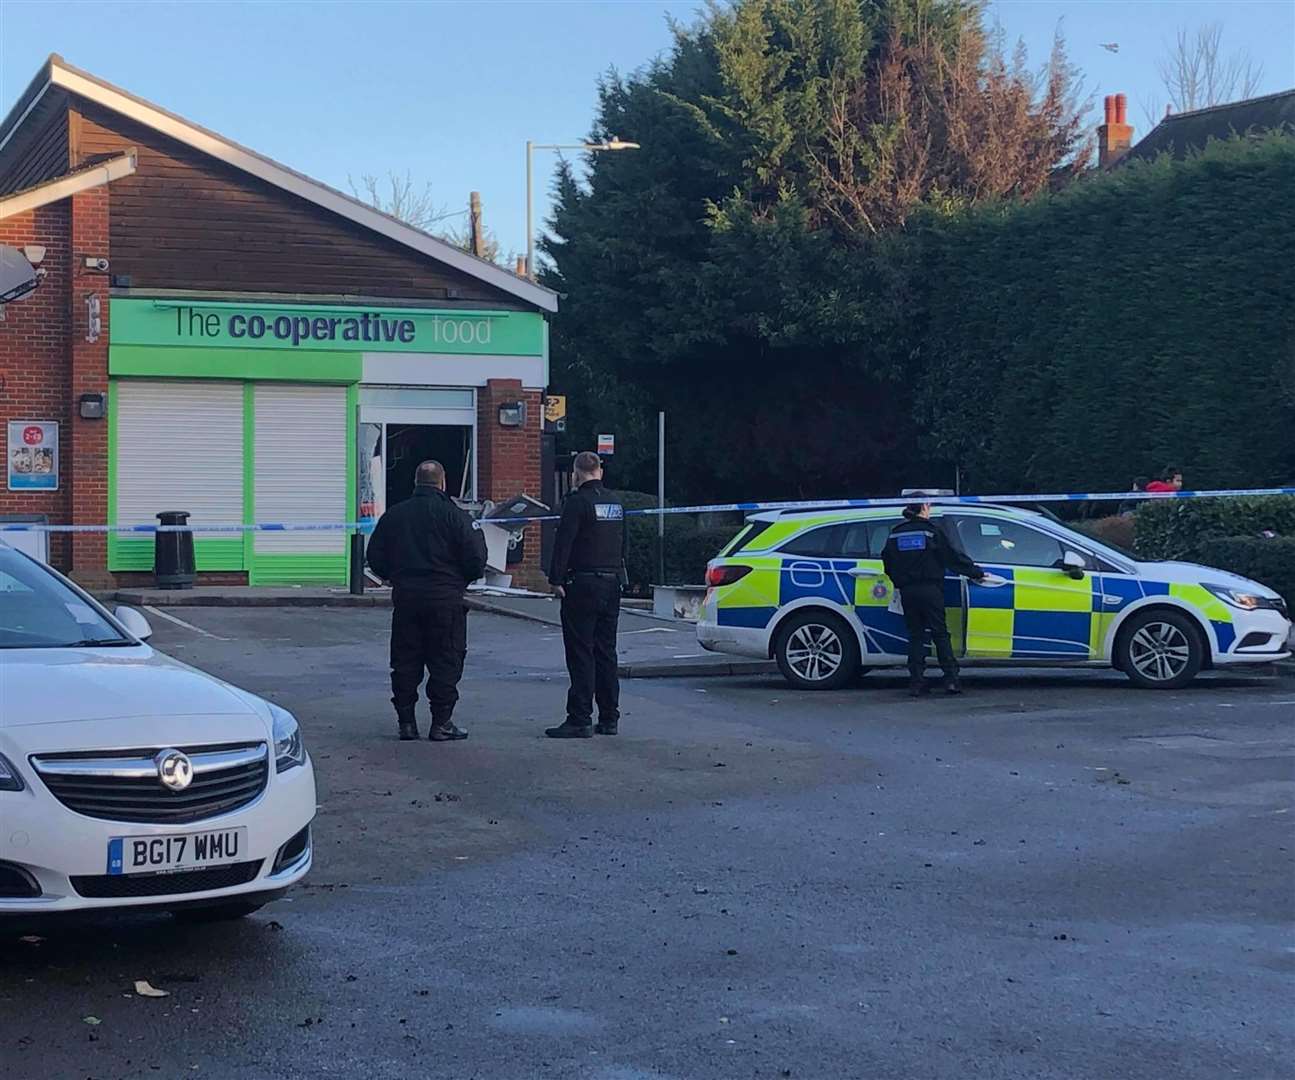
807 589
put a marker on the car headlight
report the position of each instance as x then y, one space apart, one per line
289 750
1241 598
9 778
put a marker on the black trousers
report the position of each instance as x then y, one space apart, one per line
427 637
590 613
923 612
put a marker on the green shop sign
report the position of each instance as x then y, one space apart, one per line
325 328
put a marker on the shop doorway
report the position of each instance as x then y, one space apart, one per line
409 445
399 429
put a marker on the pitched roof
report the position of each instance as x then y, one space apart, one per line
1180 133
58 75
97 171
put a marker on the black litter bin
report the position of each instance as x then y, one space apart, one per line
173 565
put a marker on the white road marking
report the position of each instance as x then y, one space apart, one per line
181 622
651 630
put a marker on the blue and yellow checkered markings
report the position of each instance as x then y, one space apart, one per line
883 631
750 618
1112 594
821 579
1037 614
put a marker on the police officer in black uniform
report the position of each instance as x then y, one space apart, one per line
586 571
430 552
916 556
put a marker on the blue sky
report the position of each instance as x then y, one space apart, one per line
450 92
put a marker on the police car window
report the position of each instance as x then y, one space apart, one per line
821 543
878 534
1007 543
847 540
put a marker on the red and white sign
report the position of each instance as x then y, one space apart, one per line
32 455
606 444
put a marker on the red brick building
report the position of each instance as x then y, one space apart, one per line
216 333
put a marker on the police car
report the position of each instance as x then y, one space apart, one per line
807 588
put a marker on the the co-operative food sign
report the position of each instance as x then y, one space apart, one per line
333 328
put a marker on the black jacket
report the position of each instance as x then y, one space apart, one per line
591 535
427 546
918 552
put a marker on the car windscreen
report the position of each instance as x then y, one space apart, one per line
37 611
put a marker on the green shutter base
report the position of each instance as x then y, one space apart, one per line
300 570
127 554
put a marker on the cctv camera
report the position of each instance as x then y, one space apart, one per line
93 263
35 253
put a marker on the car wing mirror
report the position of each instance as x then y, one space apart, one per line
134 623
1074 564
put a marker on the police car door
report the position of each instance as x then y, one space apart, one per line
1043 610
833 563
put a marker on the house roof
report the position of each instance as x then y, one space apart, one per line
101 169
57 79
1180 133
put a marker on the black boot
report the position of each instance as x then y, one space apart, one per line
569 730
917 686
952 685
445 731
605 727
408 724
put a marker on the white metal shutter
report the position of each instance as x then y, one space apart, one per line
180 447
301 466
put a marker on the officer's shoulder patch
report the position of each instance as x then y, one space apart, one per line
609 511
911 541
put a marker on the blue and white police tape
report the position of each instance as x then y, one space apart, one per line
714 508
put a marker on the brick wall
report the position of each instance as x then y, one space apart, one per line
88 472
35 376
508 460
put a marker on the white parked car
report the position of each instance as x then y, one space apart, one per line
129 780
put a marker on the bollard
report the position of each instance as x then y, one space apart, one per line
357 563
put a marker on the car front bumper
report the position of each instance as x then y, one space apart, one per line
53 844
1260 637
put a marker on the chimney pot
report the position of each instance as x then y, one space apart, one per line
1121 109
1109 102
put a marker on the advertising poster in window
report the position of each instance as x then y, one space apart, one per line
33 455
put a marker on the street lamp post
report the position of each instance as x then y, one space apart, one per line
594 148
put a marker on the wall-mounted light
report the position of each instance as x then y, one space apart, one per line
512 414
91 406
35 253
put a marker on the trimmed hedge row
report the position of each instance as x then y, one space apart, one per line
1270 561
1178 528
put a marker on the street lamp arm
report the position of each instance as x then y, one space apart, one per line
613 143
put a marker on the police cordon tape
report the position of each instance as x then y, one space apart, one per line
714 508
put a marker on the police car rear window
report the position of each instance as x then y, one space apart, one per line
743 539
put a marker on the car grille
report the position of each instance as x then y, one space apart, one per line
117 886
124 785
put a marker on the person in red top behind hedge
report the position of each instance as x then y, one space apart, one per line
1170 480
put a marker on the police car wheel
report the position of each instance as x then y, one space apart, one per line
816 650
1160 650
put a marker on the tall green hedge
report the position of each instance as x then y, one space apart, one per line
1138 319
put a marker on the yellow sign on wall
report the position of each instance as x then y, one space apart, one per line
555 408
